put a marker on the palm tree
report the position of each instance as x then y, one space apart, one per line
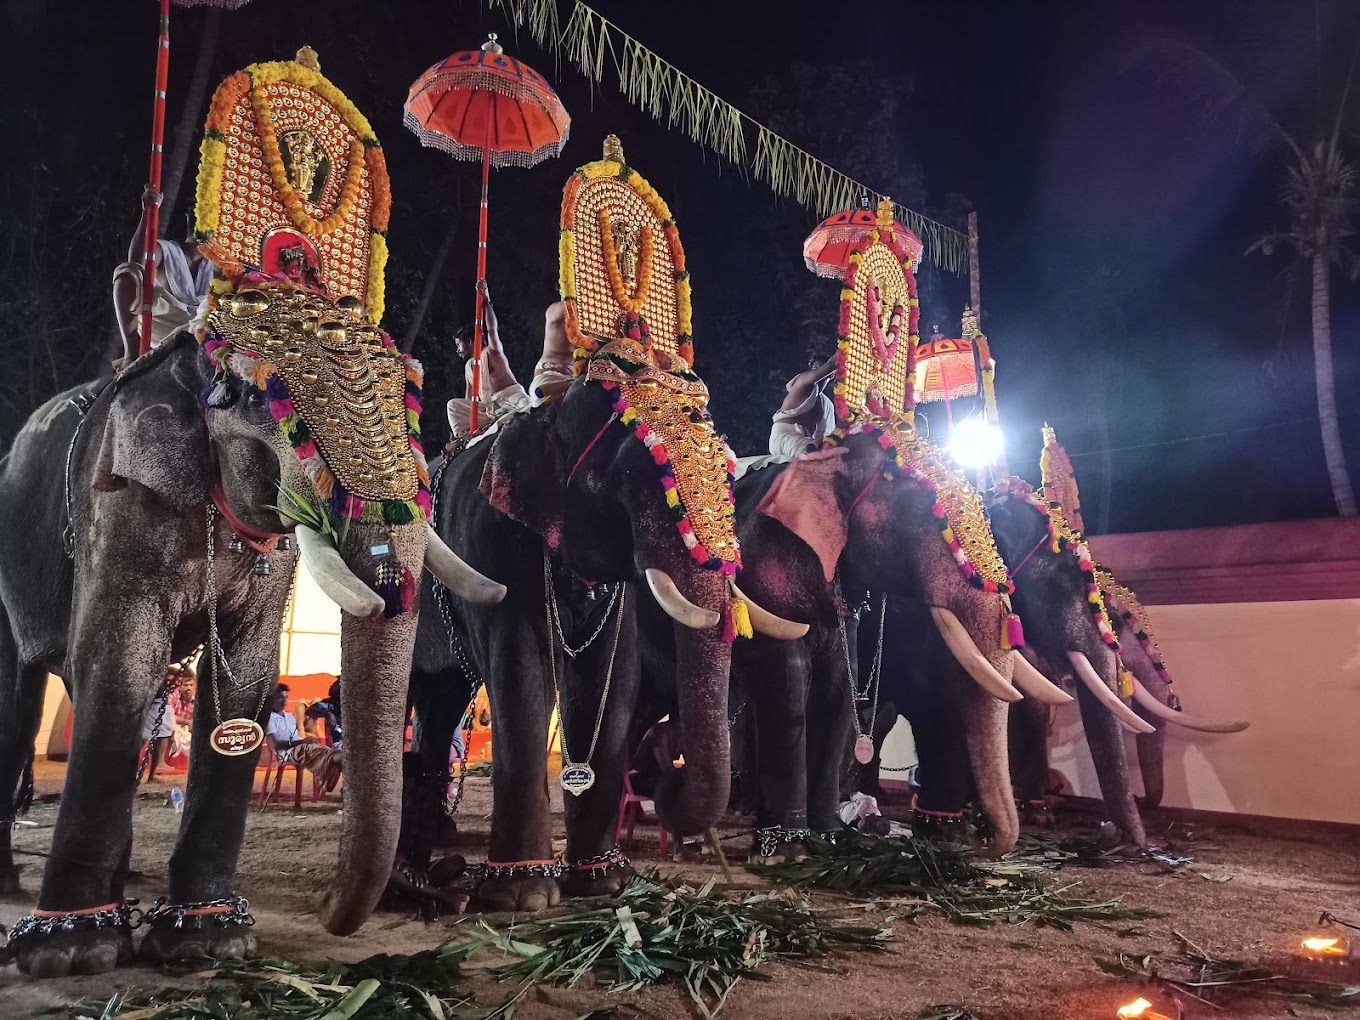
1319 198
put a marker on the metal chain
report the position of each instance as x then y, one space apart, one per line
548 597
214 641
875 672
441 593
561 635
465 724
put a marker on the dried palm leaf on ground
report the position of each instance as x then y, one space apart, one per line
924 877
1189 969
379 988
1089 852
660 930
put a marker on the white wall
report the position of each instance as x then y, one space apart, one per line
1293 670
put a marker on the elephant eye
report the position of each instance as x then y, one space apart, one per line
256 399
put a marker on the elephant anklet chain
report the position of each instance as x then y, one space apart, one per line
228 911
602 863
771 837
533 869
48 922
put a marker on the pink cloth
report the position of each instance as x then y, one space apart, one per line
803 499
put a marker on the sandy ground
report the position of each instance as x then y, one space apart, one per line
1260 893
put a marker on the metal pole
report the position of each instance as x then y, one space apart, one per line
476 394
150 257
974 269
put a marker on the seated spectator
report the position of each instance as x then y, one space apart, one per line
288 745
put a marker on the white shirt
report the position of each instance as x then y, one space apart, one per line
283 728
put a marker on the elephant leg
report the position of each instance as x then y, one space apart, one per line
1028 724
22 688
439 699
519 856
595 868
113 672
1152 763
217 796
1106 741
777 674
829 740
942 771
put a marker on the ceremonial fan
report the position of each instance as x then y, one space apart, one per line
483 104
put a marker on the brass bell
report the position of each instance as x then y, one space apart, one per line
286 542
247 303
236 545
351 306
261 568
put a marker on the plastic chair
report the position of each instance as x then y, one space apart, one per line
630 810
275 766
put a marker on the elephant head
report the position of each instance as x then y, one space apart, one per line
1153 696
313 422
626 480
892 516
1067 626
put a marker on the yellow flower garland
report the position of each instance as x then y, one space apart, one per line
375 292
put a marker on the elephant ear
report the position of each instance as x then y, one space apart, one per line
155 434
804 499
522 475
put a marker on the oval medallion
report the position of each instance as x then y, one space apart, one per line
236 737
577 779
864 749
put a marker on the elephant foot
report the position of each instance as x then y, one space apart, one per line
775 844
521 892
165 943
82 951
940 826
1035 813
607 881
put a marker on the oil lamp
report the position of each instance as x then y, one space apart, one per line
1328 947
1139 1009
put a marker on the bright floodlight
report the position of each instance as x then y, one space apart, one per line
975 443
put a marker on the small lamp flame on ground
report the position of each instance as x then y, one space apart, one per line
1139 1009
1330 948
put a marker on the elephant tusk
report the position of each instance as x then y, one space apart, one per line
765 622
333 576
455 574
971 658
677 607
1152 706
1131 720
1035 684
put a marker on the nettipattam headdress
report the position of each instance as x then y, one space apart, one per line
293 201
627 296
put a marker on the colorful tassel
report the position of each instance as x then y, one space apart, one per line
1013 634
1125 683
396 587
729 625
741 619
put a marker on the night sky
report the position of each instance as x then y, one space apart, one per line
1115 206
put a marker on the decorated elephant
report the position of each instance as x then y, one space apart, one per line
619 486
156 514
861 517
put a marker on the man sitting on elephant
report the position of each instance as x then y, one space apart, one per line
806 415
507 395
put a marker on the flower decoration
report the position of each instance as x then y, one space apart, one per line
885 349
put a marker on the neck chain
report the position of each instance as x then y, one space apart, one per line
578 777
239 735
864 742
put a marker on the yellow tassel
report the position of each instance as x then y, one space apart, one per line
741 619
1125 684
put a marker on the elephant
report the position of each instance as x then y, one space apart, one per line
828 522
126 504
559 501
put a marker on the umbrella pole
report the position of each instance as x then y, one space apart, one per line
153 218
473 414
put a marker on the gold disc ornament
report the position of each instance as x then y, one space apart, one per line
235 737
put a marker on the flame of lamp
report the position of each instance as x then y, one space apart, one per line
1139 1009
1329 948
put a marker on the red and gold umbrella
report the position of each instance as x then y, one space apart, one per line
826 251
485 105
945 370
157 146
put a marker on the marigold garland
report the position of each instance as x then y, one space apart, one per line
634 302
376 290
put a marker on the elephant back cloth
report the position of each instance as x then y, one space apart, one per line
293 203
626 292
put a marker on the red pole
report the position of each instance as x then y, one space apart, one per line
476 394
154 176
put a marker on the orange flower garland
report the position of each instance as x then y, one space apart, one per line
635 302
380 184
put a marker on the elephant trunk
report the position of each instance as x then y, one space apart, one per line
985 727
692 798
375 657
1105 737
1151 749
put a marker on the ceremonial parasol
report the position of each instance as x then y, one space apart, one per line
483 104
826 251
157 145
945 370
